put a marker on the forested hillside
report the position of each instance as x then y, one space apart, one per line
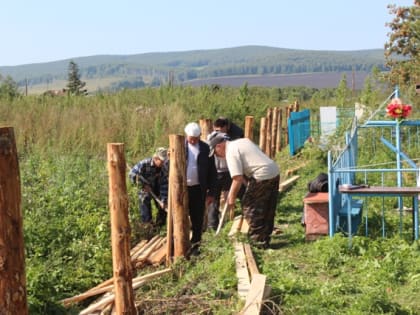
154 69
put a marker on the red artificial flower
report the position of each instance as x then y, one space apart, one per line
398 110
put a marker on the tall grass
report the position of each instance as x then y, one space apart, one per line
142 119
62 146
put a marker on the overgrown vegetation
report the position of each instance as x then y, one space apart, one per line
62 142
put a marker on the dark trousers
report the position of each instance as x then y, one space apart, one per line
196 205
145 202
259 206
223 183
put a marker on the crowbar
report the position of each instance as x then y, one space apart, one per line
222 218
160 202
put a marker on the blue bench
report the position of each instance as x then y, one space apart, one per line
355 215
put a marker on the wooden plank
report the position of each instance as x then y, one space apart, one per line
287 183
244 227
291 171
252 265
236 225
241 270
110 296
159 256
255 295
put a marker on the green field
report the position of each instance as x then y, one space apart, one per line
61 144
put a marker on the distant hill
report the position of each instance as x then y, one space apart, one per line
112 72
316 80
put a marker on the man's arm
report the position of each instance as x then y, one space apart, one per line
135 172
237 182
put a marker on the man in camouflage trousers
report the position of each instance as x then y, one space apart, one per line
248 165
152 175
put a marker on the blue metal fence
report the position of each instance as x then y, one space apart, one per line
343 170
346 160
299 129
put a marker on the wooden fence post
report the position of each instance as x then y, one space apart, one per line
274 131
268 135
286 132
206 127
13 299
279 130
296 106
263 133
169 226
178 195
120 230
249 125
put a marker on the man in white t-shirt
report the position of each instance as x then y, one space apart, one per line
248 165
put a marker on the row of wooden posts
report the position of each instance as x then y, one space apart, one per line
273 129
13 297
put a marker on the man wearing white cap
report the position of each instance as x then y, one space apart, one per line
248 165
201 181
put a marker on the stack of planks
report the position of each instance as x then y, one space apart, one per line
251 283
152 252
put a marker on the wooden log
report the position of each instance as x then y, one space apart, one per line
138 248
279 131
296 106
274 131
286 129
99 305
263 126
249 127
255 296
169 230
148 277
206 127
135 252
13 298
241 271
108 309
154 242
158 257
268 134
179 195
110 287
120 230
287 183
145 256
293 170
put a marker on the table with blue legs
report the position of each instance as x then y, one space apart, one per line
379 191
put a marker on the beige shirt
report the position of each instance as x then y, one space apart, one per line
244 157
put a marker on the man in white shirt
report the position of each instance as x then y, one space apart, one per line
248 165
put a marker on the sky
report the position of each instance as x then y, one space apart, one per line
49 30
